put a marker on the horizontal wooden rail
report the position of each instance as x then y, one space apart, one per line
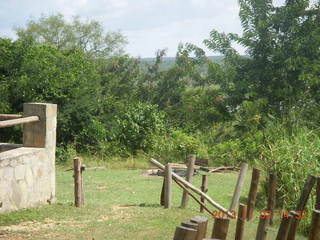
18 121
9 116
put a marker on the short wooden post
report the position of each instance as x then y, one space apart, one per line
162 191
315 226
168 186
82 169
253 192
284 226
238 188
242 213
190 224
184 233
202 226
220 228
190 171
317 205
272 190
204 188
301 205
77 182
262 226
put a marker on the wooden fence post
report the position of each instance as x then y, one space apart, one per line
242 213
272 190
162 191
204 188
253 192
190 171
262 226
168 186
285 226
317 205
238 188
220 228
315 226
184 233
301 205
202 226
78 191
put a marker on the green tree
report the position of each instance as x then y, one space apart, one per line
283 48
88 36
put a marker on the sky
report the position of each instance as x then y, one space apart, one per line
149 25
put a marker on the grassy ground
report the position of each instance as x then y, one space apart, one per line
120 204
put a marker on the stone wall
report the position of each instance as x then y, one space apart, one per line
27 171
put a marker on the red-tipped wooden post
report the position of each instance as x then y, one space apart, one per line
272 190
315 226
242 213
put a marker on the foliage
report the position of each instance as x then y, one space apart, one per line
88 36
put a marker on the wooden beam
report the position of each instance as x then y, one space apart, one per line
193 188
184 233
18 121
315 226
242 214
190 171
168 186
239 186
272 191
253 192
9 116
202 226
220 228
204 188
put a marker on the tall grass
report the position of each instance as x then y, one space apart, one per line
292 153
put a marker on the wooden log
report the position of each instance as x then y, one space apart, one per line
202 226
168 187
82 169
194 197
317 205
272 190
190 224
262 226
77 182
284 226
190 171
9 116
18 121
253 192
162 192
242 213
193 188
204 188
184 233
220 228
239 186
301 205
315 226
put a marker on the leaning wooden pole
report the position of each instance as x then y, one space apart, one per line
239 186
301 205
193 188
253 192
194 197
190 171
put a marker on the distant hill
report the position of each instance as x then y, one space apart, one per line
168 62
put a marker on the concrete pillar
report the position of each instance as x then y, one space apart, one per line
42 134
